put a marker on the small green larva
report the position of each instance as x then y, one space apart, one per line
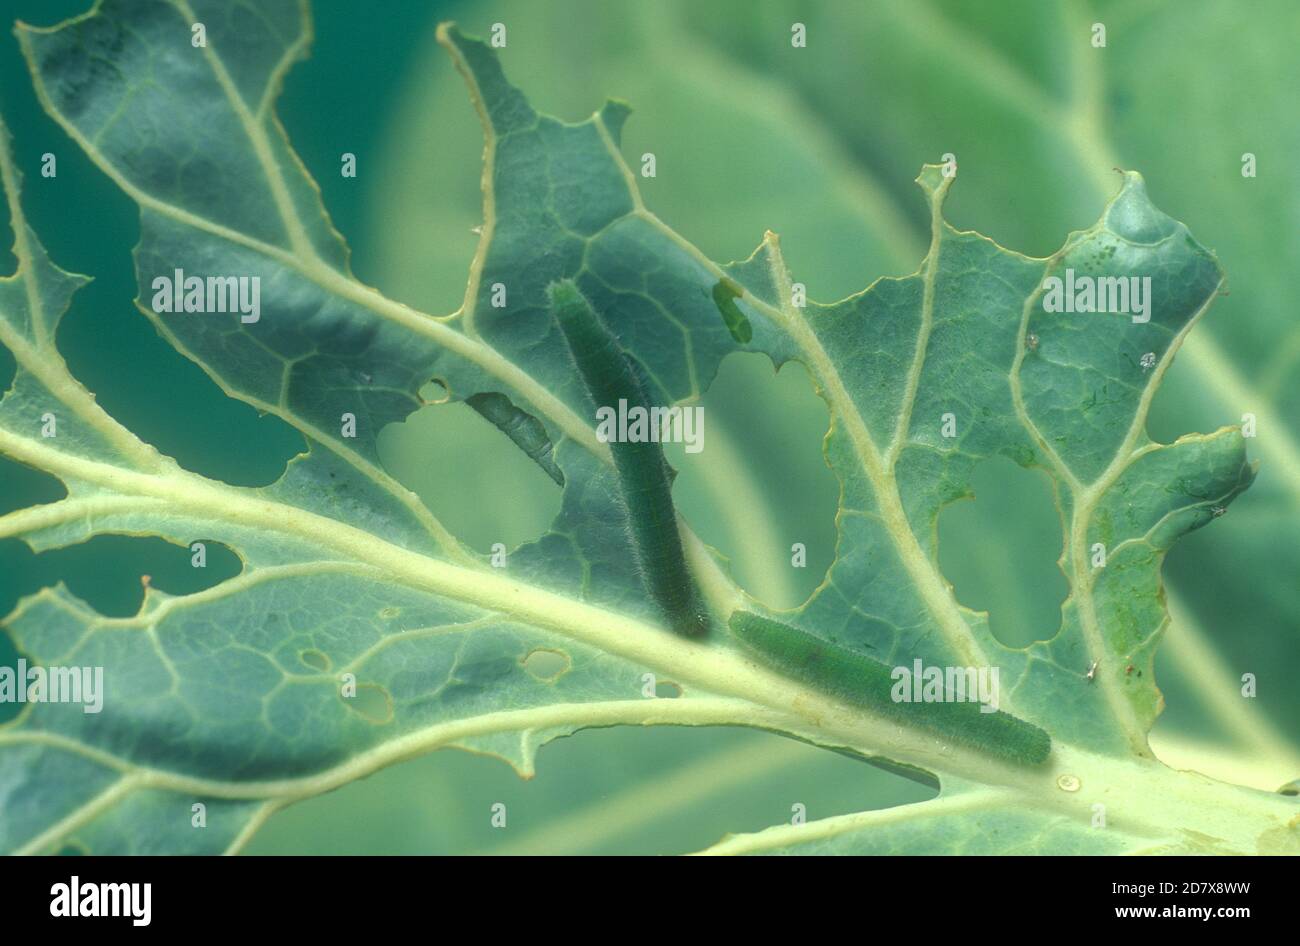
863 681
642 470
725 294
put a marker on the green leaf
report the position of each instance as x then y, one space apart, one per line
236 697
1038 118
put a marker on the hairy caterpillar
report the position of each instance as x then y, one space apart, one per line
866 682
643 474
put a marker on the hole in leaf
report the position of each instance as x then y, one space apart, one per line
547 665
8 367
372 702
316 660
1000 551
173 405
760 485
667 690
107 571
8 261
9 655
435 391
479 484
24 486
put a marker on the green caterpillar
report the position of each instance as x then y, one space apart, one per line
866 682
643 473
